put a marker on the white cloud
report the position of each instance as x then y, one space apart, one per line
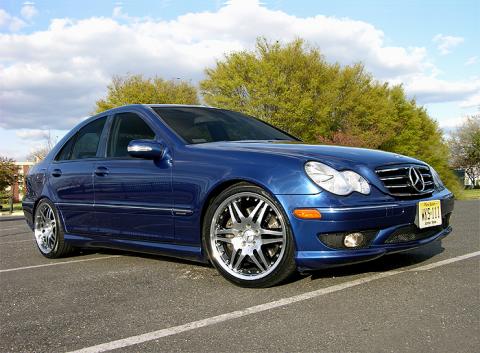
28 10
33 134
445 44
51 78
471 60
10 22
452 125
429 89
472 101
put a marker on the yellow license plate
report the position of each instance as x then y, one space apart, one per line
429 214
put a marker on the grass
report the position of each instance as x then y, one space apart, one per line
469 194
6 207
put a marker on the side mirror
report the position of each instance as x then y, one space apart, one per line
146 149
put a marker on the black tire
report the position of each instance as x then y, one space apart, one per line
59 248
286 264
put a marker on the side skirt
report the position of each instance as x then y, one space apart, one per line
188 252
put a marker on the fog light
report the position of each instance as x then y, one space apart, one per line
353 240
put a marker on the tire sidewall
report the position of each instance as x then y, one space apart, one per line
286 265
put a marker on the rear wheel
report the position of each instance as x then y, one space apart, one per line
48 231
248 238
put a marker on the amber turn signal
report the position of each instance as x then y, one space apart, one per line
307 213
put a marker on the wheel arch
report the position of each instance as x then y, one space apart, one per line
59 212
218 189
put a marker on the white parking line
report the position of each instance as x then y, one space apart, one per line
17 241
445 262
150 336
12 228
58 263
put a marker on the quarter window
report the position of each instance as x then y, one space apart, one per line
66 150
127 127
84 143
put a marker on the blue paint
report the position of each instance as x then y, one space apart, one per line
156 206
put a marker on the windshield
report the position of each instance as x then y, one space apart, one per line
200 125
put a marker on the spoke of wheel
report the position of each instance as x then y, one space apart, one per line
232 259
45 213
262 213
271 232
237 209
255 210
271 241
232 215
223 239
239 261
51 242
223 231
263 259
220 235
255 261
42 217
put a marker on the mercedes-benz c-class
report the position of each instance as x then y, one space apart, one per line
213 185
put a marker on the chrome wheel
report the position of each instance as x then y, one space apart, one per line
248 236
45 228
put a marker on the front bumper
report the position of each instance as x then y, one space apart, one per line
385 218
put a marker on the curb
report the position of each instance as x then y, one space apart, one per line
11 218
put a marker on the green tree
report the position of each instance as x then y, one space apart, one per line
464 144
293 87
135 89
8 172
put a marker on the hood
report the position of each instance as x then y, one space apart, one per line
336 156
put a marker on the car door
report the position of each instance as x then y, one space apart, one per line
133 197
71 178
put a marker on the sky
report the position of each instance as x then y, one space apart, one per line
57 57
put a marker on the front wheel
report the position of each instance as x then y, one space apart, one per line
248 238
49 232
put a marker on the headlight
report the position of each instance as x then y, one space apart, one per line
339 183
436 179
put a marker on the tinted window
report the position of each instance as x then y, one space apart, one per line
66 150
199 125
127 127
87 139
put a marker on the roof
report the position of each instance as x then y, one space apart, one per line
177 106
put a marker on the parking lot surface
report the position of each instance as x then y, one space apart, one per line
425 300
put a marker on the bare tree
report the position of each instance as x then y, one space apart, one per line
41 152
465 148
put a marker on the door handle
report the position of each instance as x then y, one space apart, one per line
56 173
101 171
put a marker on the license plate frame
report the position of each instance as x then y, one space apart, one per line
429 214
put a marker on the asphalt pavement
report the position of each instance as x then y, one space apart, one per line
425 300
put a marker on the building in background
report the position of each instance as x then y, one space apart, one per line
19 186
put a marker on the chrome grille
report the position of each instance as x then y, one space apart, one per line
407 180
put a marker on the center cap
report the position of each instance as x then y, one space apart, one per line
249 235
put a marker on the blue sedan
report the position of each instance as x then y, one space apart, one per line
217 186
